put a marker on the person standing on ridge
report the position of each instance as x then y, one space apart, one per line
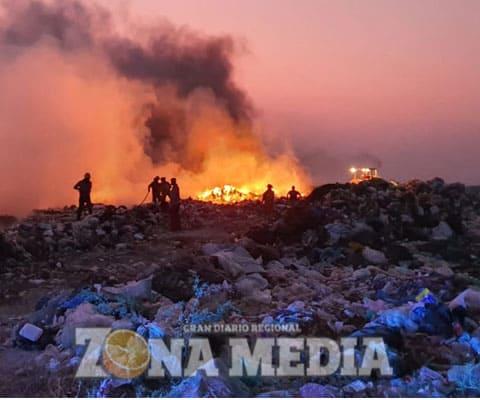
268 199
84 188
293 195
164 191
155 188
174 209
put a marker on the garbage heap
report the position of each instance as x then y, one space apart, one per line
373 259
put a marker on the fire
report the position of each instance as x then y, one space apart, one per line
235 164
195 125
227 194
214 149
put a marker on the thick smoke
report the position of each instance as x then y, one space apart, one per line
69 23
188 61
79 96
168 57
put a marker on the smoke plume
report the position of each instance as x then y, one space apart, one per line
77 96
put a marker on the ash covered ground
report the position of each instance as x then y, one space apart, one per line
348 260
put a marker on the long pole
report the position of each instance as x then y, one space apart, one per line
145 198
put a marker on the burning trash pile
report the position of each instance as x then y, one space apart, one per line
227 194
362 260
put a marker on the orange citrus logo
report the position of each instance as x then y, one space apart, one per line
125 354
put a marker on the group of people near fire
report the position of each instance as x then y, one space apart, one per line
161 189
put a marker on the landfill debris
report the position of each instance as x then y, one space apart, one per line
466 377
374 256
468 299
356 386
31 332
201 385
398 261
84 316
141 290
315 390
442 231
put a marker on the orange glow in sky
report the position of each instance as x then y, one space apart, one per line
386 84
349 81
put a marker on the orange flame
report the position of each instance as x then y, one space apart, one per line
215 150
226 194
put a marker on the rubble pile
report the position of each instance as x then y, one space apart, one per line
56 231
350 260
48 233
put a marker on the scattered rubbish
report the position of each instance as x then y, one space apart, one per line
468 299
357 386
296 312
374 259
315 390
140 290
84 316
442 231
374 256
465 377
31 332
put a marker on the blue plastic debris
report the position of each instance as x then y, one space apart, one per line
473 342
84 296
475 345
151 331
465 377
201 385
205 316
294 313
121 307
398 319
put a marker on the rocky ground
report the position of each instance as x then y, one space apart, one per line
349 260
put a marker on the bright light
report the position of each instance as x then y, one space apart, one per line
227 194
363 174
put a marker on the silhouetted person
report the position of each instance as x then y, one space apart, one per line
174 209
164 191
155 188
293 195
268 199
84 188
